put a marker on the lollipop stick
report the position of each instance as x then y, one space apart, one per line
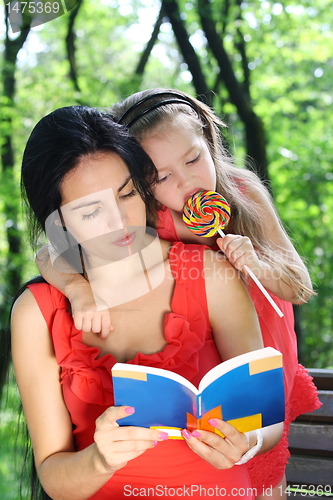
259 285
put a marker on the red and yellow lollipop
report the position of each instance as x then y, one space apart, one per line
206 212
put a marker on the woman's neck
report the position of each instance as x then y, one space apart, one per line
126 279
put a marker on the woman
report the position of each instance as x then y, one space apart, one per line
76 160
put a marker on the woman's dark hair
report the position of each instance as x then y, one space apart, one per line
56 146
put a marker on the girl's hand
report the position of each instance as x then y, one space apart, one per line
87 315
220 452
240 252
117 445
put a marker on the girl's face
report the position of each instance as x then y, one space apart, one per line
101 208
184 165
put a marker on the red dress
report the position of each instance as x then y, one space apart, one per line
301 394
171 468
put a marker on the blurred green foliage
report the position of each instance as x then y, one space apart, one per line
12 444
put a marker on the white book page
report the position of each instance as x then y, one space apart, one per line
232 363
156 371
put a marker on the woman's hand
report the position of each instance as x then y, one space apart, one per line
240 252
117 445
220 452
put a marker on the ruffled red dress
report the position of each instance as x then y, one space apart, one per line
301 394
171 468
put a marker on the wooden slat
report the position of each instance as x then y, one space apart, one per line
311 440
323 378
325 411
311 471
308 436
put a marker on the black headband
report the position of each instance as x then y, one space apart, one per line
174 98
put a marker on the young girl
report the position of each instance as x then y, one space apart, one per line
182 137
74 158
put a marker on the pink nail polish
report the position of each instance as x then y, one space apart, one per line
213 422
155 443
196 434
129 410
163 435
186 434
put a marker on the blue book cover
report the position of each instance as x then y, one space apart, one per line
247 391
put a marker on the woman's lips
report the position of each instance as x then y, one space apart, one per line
125 240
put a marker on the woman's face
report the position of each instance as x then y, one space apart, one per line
102 209
184 165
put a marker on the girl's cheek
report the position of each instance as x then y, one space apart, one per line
158 193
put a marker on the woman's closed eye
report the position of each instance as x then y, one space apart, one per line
92 215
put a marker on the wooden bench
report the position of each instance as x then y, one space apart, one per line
311 443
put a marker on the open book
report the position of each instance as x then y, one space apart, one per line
247 391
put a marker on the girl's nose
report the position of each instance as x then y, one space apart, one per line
183 179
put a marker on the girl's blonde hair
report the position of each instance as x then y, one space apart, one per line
154 110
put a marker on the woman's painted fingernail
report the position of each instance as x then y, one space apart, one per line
213 422
186 434
163 435
129 410
196 434
155 443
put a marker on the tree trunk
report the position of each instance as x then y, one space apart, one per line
70 46
254 128
149 47
190 57
13 268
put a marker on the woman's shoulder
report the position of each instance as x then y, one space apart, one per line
26 316
25 303
217 266
38 299
47 295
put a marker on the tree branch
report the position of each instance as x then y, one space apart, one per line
254 128
225 14
187 50
13 268
240 45
70 45
12 48
149 47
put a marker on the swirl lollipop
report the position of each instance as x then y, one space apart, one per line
206 213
